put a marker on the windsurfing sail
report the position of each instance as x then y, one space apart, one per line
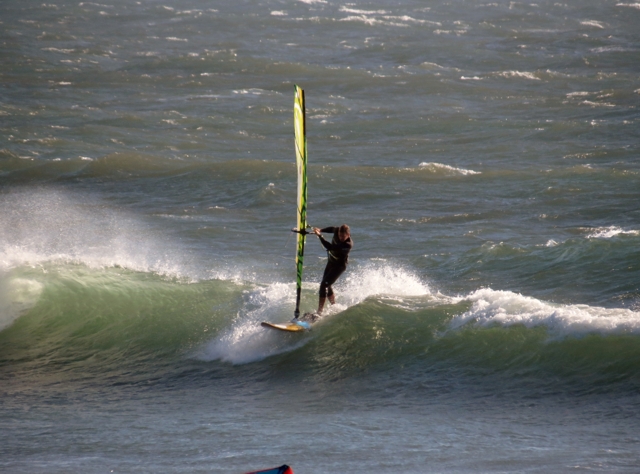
299 126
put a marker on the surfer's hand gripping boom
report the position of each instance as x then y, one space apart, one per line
303 231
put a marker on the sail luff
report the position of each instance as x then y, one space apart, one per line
299 121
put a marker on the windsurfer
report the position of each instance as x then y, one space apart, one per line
338 251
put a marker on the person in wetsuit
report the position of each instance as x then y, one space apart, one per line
338 251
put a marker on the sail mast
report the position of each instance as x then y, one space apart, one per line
299 125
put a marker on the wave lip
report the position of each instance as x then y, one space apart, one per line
506 308
17 295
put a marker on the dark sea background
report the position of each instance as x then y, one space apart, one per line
486 155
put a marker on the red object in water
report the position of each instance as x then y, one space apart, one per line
284 469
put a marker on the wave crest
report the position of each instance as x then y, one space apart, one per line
505 308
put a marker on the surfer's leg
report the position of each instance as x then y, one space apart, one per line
331 296
321 302
331 274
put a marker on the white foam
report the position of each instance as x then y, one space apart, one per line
246 341
58 50
363 19
439 167
408 19
506 308
252 91
519 74
82 4
379 278
609 232
381 17
594 23
429 65
579 94
597 104
630 5
363 12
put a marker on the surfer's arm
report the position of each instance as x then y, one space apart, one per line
341 249
327 245
326 230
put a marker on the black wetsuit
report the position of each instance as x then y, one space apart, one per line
338 258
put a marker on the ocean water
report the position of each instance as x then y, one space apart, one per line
486 155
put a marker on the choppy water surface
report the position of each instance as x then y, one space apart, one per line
485 154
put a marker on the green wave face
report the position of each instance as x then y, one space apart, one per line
76 323
79 325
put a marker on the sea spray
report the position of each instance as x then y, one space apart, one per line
51 224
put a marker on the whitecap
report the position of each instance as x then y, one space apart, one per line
59 50
362 18
409 19
610 232
578 94
250 91
429 65
506 308
439 167
597 104
374 278
594 23
518 74
363 12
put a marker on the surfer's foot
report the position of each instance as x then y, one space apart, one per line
321 305
310 317
332 299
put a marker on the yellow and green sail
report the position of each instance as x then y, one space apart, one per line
299 125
